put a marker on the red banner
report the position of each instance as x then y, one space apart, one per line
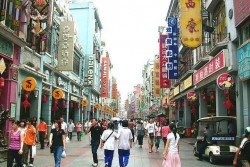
164 78
216 64
105 77
114 91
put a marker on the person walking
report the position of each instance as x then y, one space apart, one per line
57 142
96 132
108 143
140 133
63 125
150 130
29 141
70 127
15 150
165 130
79 130
157 136
171 156
125 144
42 130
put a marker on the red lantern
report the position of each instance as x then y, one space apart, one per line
174 112
1 82
204 96
71 105
228 104
26 103
44 99
226 93
193 110
63 103
212 96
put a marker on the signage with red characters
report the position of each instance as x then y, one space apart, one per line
225 81
216 64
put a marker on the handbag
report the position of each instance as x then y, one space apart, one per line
63 154
108 137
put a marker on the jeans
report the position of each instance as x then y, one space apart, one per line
123 157
13 154
70 135
57 155
108 157
94 145
26 150
157 141
41 139
140 139
165 141
79 136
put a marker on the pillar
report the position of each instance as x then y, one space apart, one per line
66 117
246 105
187 115
202 106
239 109
221 110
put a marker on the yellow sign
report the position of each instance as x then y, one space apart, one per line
188 82
190 23
85 102
57 94
97 106
176 90
157 88
29 84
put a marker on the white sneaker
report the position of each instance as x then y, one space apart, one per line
95 164
24 165
30 165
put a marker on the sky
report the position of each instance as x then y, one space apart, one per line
130 31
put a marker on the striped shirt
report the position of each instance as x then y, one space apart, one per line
15 143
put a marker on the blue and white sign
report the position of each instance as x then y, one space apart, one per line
244 61
172 52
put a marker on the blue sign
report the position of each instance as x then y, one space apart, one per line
172 52
244 61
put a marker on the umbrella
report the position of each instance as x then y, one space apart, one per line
115 119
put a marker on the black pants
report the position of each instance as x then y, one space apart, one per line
70 135
41 139
133 134
13 154
164 141
202 149
140 139
79 136
95 144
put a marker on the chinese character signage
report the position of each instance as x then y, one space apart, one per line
164 79
66 46
114 91
172 51
105 77
157 88
216 64
244 61
89 80
176 90
190 23
225 81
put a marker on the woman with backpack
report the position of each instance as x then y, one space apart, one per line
140 133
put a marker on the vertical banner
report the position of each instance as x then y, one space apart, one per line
66 46
190 23
114 91
164 79
172 50
157 88
105 77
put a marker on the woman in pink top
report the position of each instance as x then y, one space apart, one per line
15 146
78 130
165 131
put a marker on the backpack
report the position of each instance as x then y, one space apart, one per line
245 151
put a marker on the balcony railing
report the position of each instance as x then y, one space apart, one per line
219 37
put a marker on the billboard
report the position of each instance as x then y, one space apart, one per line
105 77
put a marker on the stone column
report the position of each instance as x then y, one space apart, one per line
239 109
187 115
202 106
220 98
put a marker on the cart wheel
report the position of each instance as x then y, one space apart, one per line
211 158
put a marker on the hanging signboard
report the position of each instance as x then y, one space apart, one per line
57 94
157 88
105 77
244 61
225 81
29 84
85 102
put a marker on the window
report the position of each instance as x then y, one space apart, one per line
244 33
76 64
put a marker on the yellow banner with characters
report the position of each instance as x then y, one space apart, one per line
190 23
157 88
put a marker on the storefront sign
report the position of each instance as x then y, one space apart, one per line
171 94
216 64
73 98
176 90
190 22
57 94
29 84
6 47
188 82
90 77
105 77
172 51
225 81
244 61
164 74
85 102
66 46
2 66
157 88
114 91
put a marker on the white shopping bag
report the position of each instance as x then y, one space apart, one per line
33 151
67 139
135 140
63 154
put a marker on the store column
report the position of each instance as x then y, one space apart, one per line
246 105
239 109
202 106
67 108
220 98
187 115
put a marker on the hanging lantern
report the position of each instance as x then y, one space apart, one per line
204 96
26 103
71 105
44 99
193 110
1 83
63 104
55 107
228 104
226 93
212 96
174 112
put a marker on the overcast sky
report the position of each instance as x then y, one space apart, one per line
130 31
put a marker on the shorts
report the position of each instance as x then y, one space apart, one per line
151 140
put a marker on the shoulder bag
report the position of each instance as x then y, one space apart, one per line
108 137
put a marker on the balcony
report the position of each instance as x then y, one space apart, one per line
219 42
211 4
202 56
185 72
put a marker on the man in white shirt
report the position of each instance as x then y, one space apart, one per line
125 144
63 125
150 131
70 127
